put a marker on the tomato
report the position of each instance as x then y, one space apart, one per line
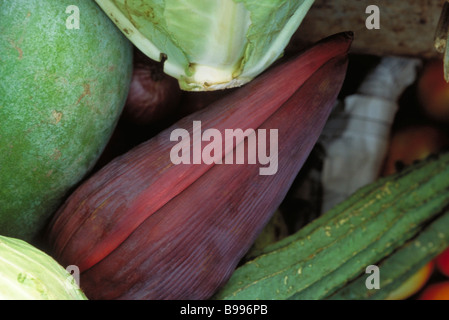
411 143
433 91
436 291
442 262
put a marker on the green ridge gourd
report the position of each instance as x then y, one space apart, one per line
402 264
65 71
334 249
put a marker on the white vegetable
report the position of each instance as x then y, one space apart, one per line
27 273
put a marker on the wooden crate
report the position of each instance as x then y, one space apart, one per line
407 28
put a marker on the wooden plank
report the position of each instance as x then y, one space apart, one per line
407 28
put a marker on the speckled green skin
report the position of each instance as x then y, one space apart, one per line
61 93
402 264
365 229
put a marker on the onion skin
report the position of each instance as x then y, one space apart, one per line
436 291
153 95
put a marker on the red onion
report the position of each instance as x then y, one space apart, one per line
153 96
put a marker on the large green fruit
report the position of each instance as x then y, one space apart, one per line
27 273
62 89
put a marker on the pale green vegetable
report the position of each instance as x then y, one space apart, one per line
209 44
27 273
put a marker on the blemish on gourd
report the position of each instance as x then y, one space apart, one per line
343 221
19 50
56 154
327 231
86 92
57 116
386 188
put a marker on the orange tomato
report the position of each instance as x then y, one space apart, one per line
436 291
433 91
412 143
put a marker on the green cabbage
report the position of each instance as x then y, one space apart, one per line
27 273
209 44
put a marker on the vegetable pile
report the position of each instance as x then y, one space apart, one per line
154 213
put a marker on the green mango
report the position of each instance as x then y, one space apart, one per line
65 71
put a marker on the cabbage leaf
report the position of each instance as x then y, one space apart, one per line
209 44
